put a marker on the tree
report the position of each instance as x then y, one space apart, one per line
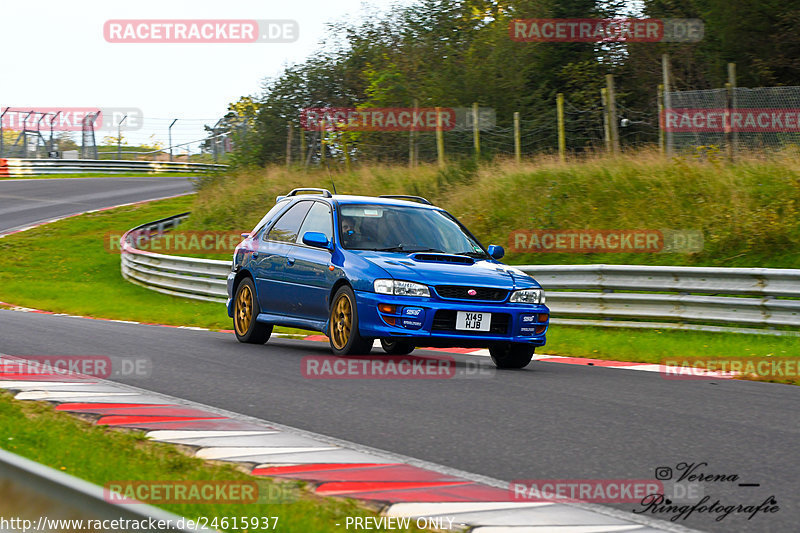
64 141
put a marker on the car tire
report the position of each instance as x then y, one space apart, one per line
396 347
343 333
245 311
511 355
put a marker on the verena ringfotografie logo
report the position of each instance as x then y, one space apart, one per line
628 30
71 118
378 119
587 241
201 31
720 120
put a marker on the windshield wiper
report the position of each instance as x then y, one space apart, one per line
474 254
408 249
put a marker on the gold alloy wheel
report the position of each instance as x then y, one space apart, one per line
342 320
244 310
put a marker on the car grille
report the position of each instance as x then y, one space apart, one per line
445 320
457 292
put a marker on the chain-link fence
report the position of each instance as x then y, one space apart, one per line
727 121
108 134
757 120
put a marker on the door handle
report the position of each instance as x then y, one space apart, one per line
290 261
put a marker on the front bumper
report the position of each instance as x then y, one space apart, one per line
229 301
432 320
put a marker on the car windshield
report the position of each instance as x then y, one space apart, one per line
405 230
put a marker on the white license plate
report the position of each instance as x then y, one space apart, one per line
469 321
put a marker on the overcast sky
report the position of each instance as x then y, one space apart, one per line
55 55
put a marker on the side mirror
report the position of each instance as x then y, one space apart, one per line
317 240
497 252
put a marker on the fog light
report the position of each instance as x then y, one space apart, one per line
390 320
540 329
386 308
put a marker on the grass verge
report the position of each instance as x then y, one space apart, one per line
102 455
657 346
748 212
83 278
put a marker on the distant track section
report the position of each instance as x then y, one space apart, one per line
44 167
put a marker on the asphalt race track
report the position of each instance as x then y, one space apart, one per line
549 421
24 202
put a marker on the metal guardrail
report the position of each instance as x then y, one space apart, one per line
199 279
39 167
704 298
57 489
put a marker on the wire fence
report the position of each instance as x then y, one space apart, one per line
730 120
583 128
756 121
762 119
108 134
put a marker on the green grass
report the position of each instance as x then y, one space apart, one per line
748 212
66 267
655 346
81 277
101 455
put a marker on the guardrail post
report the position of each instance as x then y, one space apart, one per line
612 113
439 139
476 131
562 140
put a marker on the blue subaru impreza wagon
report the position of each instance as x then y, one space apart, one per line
394 268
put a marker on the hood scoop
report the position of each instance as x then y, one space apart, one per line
443 258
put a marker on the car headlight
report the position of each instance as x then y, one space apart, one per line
401 288
527 296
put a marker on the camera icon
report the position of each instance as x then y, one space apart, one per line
663 473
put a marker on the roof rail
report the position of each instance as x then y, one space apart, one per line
324 192
419 199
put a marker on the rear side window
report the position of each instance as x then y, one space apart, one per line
318 219
269 216
288 226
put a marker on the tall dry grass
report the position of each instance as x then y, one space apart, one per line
748 211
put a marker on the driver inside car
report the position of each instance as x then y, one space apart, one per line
349 235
